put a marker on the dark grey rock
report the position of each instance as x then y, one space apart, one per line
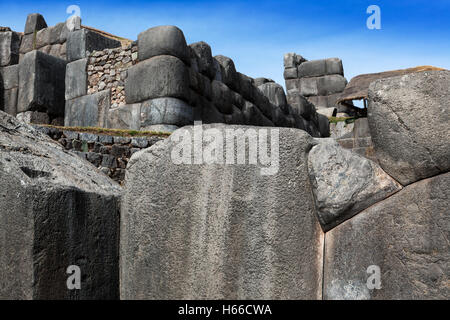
10 76
221 96
331 84
253 116
27 44
41 82
119 151
345 183
292 60
109 161
34 23
405 235
70 134
104 139
290 73
33 117
229 75
204 58
242 245
323 125
166 111
56 210
275 93
76 79
81 41
10 101
43 38
88 111
161 76
163 40
94 158
409 120
318 68
293 85
300 106
245 86
9 48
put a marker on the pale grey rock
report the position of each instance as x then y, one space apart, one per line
220 231
10 101
76 79
166 111
33 117
9 48
341 129
163 40
10 76
405 235
160 128
345 183
409 123
125 117
81 41
330 84
56 210
328 112
161 76
292 60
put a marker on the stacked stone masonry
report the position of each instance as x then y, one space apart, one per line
320 81
109 154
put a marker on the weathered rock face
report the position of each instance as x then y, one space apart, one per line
210 231
409 123
56 210
345 183
406 236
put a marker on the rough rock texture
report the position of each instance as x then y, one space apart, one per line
34 23
82 42
55 211
9 48
345 183
220 231
166 110
88 111
406 235
409 122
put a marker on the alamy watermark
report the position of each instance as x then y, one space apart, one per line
374 280
74 21
227 146
374 20
74 280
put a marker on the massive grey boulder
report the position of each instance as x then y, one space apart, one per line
88 111
345 183
126 117
157 77
222 97
76 79
10 76
170 111
34 23
9 48
205 60
406 236
317 68
275 93
229 74
56 210
42 83
409 123
212 231
163 40
81 41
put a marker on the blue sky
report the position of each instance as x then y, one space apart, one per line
256 34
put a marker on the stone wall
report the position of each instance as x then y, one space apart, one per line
168 84
320 81
110 154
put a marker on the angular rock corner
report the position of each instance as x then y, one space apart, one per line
55 211
352 189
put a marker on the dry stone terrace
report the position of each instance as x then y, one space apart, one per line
88 124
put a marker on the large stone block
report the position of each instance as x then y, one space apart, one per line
204 58
9 101
76 79
253 116
318 68
9 48
300 106
405 236
43 38
323 124
41 83
330 84
10 76
180 240
33 117
56 211
34 23
290 73
229 74
275 93
27 44
245 86
409 123
308 86
163 40
345 183
166 111
88 111
127 117
292 60
161 76
81 41
222 97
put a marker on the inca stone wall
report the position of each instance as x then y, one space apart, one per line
320 81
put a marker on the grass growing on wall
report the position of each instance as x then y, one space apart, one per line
110 132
